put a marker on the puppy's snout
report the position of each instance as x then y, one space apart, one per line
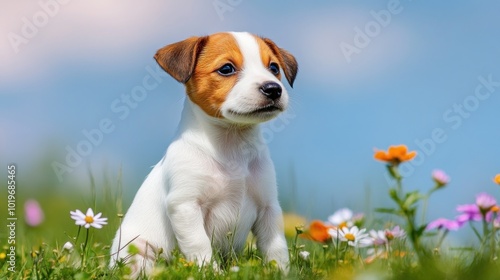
271 90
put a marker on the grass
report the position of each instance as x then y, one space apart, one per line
40 252
53 262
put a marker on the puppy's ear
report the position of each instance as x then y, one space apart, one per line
179 59
286 59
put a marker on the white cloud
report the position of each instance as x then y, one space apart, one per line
81 28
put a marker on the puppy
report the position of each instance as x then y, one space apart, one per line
217 176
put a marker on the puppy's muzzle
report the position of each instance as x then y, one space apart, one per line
271 90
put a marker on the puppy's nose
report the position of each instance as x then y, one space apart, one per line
271 90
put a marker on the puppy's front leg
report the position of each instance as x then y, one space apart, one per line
187 222
270 237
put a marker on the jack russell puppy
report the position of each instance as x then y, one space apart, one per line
217 176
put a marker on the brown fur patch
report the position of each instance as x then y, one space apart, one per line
267 55
286 60
207 88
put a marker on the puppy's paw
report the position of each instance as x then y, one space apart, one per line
140 258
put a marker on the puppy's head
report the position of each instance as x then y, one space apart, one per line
232 76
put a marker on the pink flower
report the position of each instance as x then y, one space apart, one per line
444 223
395 232
485 202
33 213
470 212
440 178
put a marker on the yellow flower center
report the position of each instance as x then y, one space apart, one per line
343 225
89 219
349 236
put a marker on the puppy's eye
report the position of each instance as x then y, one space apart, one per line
226 69
274 68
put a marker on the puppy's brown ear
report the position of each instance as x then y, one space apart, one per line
179 59
286 59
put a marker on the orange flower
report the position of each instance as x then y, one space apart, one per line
318 231
395 155
497 179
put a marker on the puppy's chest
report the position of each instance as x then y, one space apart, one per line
232 185
231 198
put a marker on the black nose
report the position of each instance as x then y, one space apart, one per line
271 90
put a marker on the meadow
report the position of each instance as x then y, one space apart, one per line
57 237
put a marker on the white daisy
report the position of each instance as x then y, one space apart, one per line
355 237
89 219
378 237
68 246
304 255
342 218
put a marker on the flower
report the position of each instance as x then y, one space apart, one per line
68 246
485 202
318 231
342 218
334 233
304 255
354 236
88 219
470 212
444 223
378 237
3 256
395 232
33 213
395 154
440 178
496 179
358 219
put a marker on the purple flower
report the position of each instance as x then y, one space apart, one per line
33 213
440 178
485 201
470 212
444 223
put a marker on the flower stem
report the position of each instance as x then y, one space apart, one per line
78 234
84 252
476 232
443 235
426 204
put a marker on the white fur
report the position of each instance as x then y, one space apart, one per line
216 177
245 95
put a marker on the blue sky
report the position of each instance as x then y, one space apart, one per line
414 70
